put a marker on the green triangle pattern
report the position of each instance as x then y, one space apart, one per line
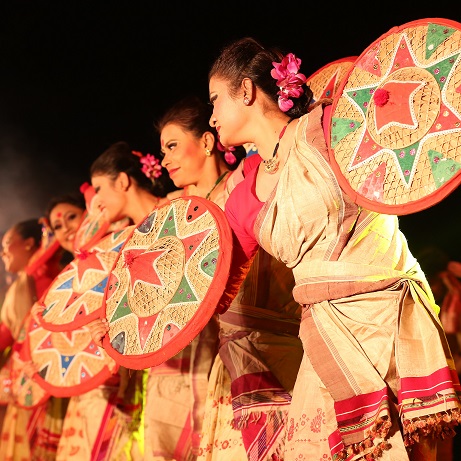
184 293
208 264
442 69
362 97
122 309
406 158
169 226
443 169
436 35
341 127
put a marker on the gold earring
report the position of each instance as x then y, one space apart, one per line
208 152
246 101
28 247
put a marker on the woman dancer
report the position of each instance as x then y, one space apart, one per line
377 377
259 351
20 244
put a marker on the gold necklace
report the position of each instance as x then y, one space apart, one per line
272 165
216 183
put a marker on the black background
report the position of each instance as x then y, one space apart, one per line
77 76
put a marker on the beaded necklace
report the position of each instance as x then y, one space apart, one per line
272 165
216 183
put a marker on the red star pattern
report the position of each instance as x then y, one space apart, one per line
141 266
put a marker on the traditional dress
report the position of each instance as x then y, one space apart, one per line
377 370
175 399
23 429
259 356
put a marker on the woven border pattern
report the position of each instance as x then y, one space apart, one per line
74 297
396 153
325 82
69 363
164 270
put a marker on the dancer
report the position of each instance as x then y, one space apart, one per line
20 245
260 352
373 344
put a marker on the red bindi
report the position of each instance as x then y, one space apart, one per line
59 214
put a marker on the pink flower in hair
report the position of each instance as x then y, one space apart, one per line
289 80
151 166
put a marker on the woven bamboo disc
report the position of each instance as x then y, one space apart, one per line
75 296
395 130
20 389
167 281
69 363
325 82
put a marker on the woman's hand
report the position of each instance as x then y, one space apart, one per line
98 329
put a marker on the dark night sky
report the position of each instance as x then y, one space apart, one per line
78 76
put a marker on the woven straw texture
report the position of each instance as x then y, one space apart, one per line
161 279
325 82
396 121
74 297
69 363
17 387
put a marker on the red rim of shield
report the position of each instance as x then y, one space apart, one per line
70 363
188 232
395 130
75 296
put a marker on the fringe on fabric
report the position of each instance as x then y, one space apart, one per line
440 425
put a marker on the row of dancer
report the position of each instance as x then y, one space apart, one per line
328 330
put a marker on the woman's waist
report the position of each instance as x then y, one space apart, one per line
257 318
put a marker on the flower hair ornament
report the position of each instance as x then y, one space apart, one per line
289 80
150 165
229 155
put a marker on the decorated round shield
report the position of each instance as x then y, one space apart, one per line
325 82
69 363
167 281
395 130
75 296
17 379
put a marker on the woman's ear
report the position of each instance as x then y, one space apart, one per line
248 91
208 139
123 181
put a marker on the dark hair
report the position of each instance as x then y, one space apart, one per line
77 199
246 58
119 158
30 228
193 115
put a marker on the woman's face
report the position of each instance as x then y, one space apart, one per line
111 196
227 114
65 219
184 155
16 252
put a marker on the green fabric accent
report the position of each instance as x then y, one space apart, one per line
362 97
442 69
406 159
341 127
169 226
436 35
184 293
207 265
443 169
122 309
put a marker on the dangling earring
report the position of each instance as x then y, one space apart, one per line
246 101
208 152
